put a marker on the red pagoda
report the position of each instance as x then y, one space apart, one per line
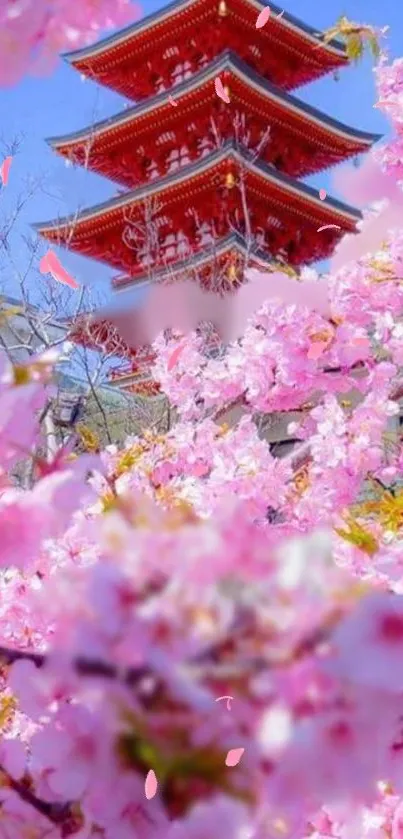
207 186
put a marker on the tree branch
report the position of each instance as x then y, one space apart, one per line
83 666
55 813
301 455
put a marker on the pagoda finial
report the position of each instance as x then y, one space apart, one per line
222 9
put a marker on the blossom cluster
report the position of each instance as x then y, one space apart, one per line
34 32
389 79
142 586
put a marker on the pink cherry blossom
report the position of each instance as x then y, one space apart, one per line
233 757
141 586
220 90
5 169
263 17
151 784
369 643
51 264
34 32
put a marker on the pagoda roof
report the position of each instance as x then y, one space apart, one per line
107 61
95 145
96 334
111 210
87 232
233 244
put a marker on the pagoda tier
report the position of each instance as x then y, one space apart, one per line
154 139
180 39
136 377
135 383
173 217
220 266
102 336
97 334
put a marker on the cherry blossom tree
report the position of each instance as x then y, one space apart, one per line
34 32
200 639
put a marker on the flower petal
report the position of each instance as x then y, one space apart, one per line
151 784
233 757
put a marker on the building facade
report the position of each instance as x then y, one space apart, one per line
209 159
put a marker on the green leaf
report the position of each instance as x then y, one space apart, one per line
374 46
354 47
358 536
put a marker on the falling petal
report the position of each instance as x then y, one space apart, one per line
174 357
50 264
151 784
263 17
5 169
328 226
228 698
322 194
219 89
43 265
172 102
233 757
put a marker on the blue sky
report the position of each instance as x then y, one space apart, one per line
61 102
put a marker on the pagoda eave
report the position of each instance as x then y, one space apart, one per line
102 336
176 185
302 139
229 258
288 51
289 209
146 387
226 258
